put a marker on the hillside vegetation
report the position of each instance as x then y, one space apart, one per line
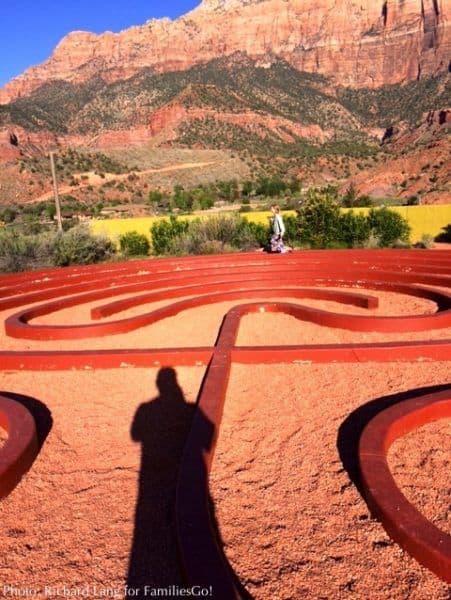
276 120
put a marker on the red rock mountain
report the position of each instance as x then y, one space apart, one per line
357 43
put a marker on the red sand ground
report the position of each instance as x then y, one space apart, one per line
292 521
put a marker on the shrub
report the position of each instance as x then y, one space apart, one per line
256 231
182 199
8 215
354 229
17 251
133 243
218 234
155 196
164 231
270 186
227 229
290 229
318 221
389 226
291 203
247 188
349 197
352 200
189 243
364 200
319 224
79 247
50 210
202 199
215 247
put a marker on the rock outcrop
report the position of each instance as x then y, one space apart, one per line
359 44
170 116
422 172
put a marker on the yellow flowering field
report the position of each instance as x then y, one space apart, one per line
422 219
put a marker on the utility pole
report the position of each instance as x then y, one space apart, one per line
55 192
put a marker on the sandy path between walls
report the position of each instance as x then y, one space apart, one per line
96 507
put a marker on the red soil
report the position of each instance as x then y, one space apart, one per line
291 518
293 523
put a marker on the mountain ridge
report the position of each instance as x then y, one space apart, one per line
357 44
324 91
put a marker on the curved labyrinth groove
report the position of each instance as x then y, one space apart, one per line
264 280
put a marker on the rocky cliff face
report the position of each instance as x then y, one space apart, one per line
364 43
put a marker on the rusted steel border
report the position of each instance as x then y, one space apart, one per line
202 558
18 325
58 282
374 258
21 447
403 522
63 360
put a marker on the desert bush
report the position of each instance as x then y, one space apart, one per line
23 252
183 245
256 231
8 214
155 196
133 243
291 203
79 247
215 247
319 224
182 199
270 186
290 236
18 252
389 226
354 229
223 228
203 198
188 244
318 221
165 231
218 234
352 200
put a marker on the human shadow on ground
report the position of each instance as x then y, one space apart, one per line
352 427
39 411
162 426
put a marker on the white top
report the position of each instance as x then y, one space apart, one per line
277 225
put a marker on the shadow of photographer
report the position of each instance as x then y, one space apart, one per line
161 426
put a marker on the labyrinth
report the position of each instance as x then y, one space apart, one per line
127 317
